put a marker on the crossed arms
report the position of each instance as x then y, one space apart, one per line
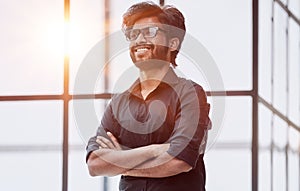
148 161
155 160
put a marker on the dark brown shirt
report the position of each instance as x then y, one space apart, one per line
176 112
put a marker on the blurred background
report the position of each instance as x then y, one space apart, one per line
256 47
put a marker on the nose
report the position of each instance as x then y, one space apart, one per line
140 39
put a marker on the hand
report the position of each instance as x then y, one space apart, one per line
107 144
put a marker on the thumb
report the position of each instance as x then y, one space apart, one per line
114 140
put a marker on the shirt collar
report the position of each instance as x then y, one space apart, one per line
170 78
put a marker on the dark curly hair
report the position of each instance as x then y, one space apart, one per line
168 15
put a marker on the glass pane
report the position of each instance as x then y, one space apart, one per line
265 117
293 172
294 6
79 178
236 126
294 139
280 132
31 123
279 171
227 37
113 183
225 167
280 81
86 29
190 69
264 170
31 171
265 37
284 1
85 117
31 47
294 72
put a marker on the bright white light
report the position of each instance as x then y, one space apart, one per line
54 38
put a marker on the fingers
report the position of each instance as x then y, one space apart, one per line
109 144
114 140
105 143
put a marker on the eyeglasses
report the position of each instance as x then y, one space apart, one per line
148 32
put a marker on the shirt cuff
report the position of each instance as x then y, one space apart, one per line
188 155
92 146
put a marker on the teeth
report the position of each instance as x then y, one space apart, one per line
141 49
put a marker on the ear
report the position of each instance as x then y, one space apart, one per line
174 43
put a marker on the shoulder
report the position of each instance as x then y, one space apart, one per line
118 97
118 102
188 86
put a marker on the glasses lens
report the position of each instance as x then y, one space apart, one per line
148 32
132 34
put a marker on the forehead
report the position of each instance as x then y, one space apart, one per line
148 21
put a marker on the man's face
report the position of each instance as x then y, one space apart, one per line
150 48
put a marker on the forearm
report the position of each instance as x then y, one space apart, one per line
162 166
109 162
99 167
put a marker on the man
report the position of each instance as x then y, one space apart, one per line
154 133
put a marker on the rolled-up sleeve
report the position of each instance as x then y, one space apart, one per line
105 126
191 125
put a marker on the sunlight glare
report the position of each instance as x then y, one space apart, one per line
55 38
61 38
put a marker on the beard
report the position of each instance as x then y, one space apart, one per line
151 64
155 57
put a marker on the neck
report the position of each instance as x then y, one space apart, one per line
150 79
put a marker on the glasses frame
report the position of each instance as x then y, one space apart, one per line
143 32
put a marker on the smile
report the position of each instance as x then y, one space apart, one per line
142 48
